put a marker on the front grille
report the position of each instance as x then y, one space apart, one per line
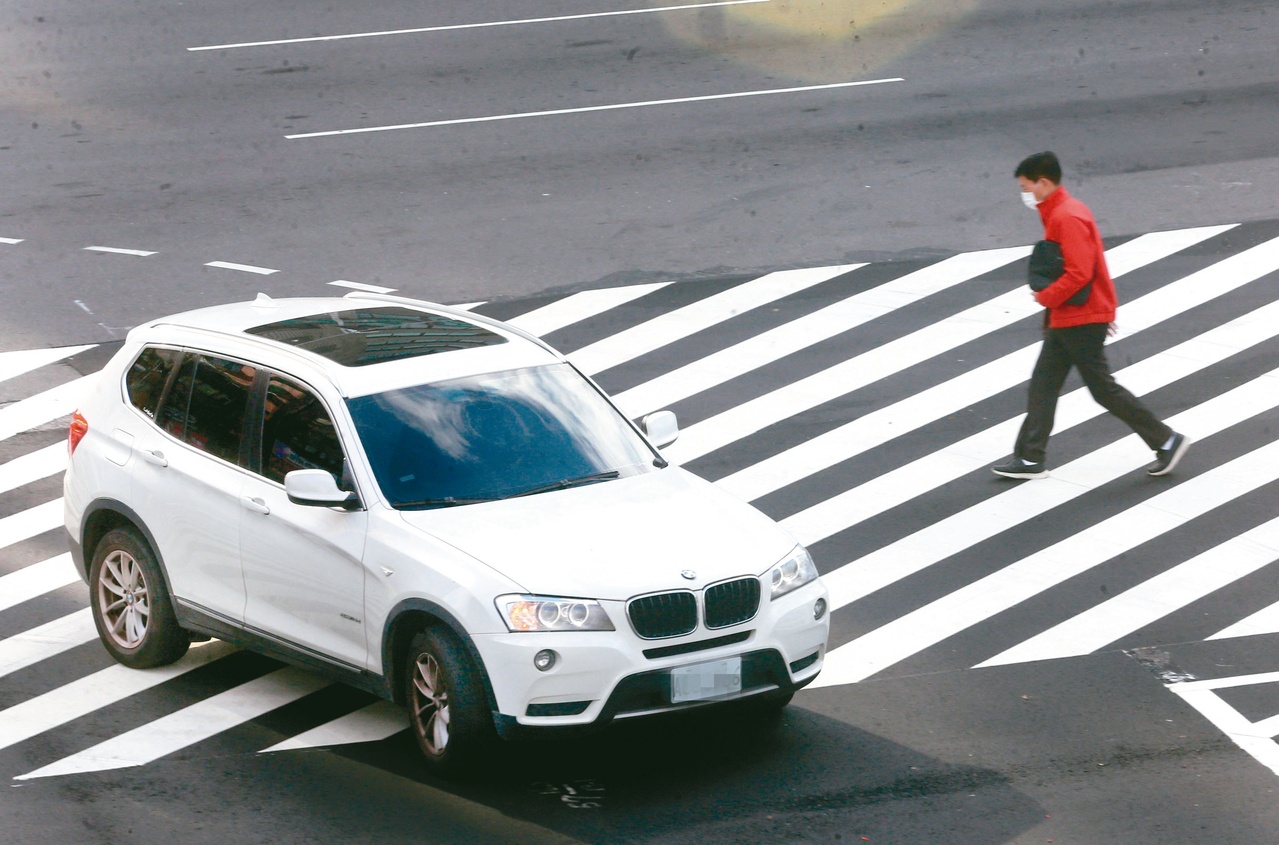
663 615
732 602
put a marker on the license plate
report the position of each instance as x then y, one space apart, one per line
703 681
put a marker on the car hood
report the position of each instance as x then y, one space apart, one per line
615 539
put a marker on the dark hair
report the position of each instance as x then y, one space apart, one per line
1040 166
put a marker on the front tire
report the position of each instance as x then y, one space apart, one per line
130 603
448 709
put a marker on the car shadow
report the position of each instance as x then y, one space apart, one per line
727 775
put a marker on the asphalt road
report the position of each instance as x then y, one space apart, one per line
116 134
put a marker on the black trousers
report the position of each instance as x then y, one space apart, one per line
1082 347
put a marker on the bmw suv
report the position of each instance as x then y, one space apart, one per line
429 505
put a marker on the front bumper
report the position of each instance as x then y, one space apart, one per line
606 675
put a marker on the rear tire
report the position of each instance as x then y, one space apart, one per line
130 603
448 709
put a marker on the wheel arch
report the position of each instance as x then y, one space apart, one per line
404 621
103 516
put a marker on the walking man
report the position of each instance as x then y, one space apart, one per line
1075 334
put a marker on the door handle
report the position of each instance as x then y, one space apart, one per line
254 504
154 456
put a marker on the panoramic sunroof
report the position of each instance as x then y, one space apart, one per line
366 336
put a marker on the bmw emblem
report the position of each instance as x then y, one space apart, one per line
689 575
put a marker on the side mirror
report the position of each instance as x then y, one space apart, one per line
317 488
661 427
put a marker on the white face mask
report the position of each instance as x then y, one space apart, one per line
1028 200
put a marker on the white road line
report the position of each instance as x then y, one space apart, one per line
587 109
897 355
29 523
44 407
580 306
19 361
11 240
695 317
812 329
246 268
343 283
482 25
850 375
1253 737
36 579
45 641
93 692
33 466
1264 621
917 551
118 251
374 723
886 423
845 509
1150 600
958 610
190 725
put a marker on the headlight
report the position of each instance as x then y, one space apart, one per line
544 613
792 573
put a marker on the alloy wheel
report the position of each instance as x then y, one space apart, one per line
430 704
122 598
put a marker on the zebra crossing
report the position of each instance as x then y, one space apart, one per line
861 405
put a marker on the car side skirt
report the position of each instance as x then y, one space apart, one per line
201 620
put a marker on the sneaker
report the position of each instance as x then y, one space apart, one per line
1166 459
1019 468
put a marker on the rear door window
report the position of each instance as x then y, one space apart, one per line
207 405
199 399
219 401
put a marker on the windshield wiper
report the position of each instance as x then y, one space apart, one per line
443 502
565 483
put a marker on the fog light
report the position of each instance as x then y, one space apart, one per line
819 609
544 660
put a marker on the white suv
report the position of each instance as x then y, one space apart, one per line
429 505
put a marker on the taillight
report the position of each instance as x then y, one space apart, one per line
79 428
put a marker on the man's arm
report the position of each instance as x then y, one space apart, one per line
1079 250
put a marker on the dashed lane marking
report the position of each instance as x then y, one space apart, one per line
244 268
343 283
119 250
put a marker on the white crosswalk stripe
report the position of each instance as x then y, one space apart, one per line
36 580
580 306
810 330
33 466
189 725
1169 591
675 325
982 599
95 692
846 509
17 362
45 641
829 521
895 356
46 407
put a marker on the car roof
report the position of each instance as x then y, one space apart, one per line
364 343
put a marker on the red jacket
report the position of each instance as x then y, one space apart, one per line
1069 222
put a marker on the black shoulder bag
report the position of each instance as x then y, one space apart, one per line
1047 266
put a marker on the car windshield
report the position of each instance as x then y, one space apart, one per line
495 436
